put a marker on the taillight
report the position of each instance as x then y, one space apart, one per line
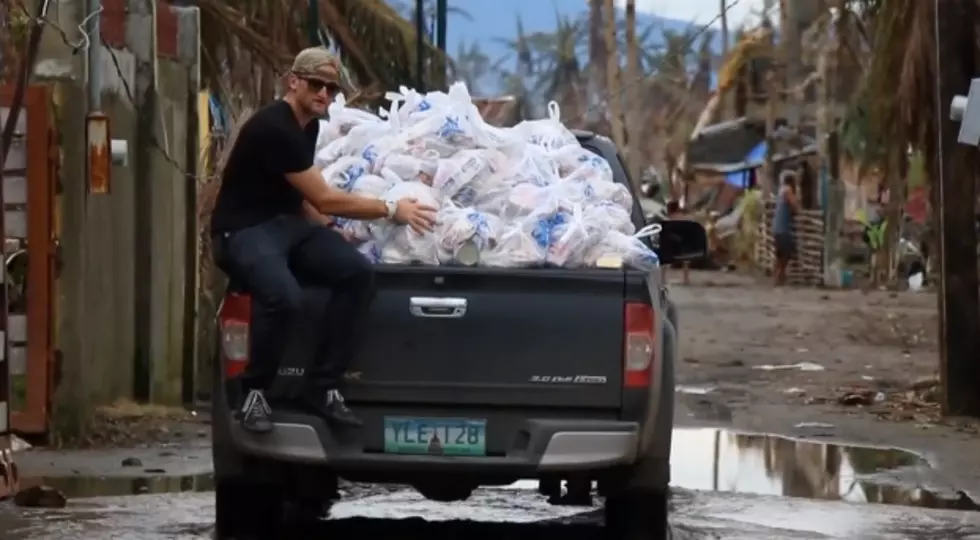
236 313
640 346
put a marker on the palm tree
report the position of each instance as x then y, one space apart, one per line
471 65
518 79
247 43
558 71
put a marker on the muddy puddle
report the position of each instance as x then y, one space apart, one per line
725 461
702 459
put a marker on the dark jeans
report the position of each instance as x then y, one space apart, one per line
271 260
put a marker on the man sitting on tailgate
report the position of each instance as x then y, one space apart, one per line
270 225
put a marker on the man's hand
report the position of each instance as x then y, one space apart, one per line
420 217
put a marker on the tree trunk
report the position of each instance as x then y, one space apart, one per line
834 203
634 120
597 63
613 80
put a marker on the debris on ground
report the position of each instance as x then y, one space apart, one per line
129 424
799 366
40 497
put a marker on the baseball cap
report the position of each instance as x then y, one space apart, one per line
317 62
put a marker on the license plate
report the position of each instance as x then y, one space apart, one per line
435 436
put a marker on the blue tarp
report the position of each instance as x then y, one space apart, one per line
740 179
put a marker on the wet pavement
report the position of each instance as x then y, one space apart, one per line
727 485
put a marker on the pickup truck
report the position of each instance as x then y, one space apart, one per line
471 377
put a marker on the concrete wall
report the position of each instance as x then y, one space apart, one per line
122 291
168 239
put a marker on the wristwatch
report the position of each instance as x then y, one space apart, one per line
392 207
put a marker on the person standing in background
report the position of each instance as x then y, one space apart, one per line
787 206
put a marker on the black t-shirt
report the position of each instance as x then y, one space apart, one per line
254 188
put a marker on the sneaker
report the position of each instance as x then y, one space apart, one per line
335 410
255 413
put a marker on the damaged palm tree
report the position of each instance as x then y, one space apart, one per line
246 43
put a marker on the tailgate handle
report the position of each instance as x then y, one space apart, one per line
443 308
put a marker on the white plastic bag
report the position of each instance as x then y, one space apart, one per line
343 118
344 172
578 162
629 249
464 233
515 248
413 190
455 173
405 246
605 216
548 133
561 233
371 186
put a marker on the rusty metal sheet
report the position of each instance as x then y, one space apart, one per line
99 154
15 222
14 188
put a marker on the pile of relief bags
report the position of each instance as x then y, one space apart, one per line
524 196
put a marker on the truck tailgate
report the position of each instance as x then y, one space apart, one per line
502 337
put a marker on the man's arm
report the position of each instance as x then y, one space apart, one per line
334 202
286 154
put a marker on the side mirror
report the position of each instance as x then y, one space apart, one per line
681 240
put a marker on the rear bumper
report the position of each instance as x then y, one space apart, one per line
540 446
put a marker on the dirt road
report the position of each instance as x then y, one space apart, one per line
848 365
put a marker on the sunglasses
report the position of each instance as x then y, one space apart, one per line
317 85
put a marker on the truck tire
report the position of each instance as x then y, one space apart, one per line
637 514
244 509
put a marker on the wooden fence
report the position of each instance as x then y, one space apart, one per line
806 268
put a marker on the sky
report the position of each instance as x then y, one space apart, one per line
700 11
